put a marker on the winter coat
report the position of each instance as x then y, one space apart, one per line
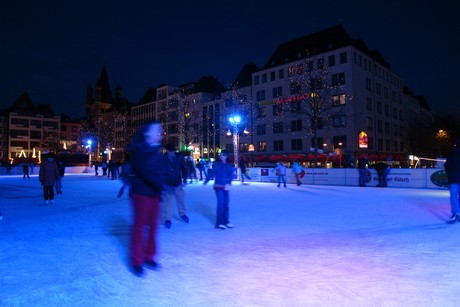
148 168
175 166
281 168
242 165
223 174
49 172
296 168
452 166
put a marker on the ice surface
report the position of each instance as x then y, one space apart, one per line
295 246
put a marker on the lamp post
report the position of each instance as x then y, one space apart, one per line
88 145
234 121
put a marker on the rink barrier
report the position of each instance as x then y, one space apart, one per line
398 177
430 178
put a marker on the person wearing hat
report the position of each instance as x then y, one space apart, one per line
452 167
173 188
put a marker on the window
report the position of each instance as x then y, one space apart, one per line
320 63
338 79
387 110
339 100
290 71
262 146
343 57
278 145
368 84
244 147
277 92
379 144
296 125
387 145
395 146
370 123
369 103
272 76
331 60
260 95
379 126
339 120
296 106
281 74
379 107
278 128
260 110
378 88
256 80
261 129
340 141
264 78
278 109
296 144
387 127
316 84
299 69
295 88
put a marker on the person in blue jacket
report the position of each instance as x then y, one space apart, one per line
223 176
452 166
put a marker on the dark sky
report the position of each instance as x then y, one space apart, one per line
54 49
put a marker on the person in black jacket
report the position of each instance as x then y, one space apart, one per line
174 188
149 176
452 167
383 170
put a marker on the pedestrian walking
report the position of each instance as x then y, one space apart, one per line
201 165
452 167
173 189
48 175
146 187
223 174
280 170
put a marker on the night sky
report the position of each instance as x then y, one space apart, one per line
54 49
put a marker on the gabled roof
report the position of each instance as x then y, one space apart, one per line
316 43
245 76
23 105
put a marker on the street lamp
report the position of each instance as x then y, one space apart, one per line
234 121
88 145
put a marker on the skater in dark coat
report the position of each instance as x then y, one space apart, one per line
48 175
149 172
362 168
382 171
25 170
223 174
242 165
452 166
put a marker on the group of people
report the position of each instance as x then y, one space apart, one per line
156 179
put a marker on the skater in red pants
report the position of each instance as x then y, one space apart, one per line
146 187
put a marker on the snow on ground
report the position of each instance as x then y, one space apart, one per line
295 246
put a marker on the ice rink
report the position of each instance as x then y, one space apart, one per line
311 245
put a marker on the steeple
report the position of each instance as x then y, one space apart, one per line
103 91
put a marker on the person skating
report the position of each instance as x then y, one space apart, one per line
146 187
297 169
382 172
242 165
223 174
281 171
25 171
174 187
452 167
362 169
48 175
